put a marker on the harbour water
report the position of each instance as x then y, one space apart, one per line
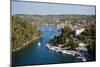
36 53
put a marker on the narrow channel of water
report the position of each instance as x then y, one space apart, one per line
34 54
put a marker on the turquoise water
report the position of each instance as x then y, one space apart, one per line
36 55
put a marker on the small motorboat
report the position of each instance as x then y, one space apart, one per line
39 44
84 59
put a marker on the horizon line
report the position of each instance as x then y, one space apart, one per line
50 14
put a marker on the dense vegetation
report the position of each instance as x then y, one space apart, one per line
65 39
22 31
89 37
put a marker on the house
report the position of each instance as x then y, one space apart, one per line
78 31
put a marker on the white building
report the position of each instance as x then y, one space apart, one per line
78 31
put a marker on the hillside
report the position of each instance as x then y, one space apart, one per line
22 32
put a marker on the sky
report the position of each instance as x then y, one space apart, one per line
19 7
